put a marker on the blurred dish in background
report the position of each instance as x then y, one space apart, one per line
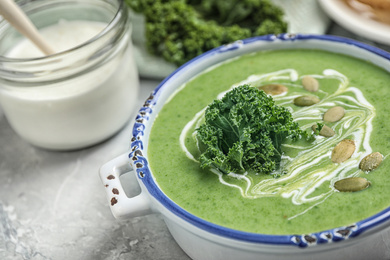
377 10
301 16
367 18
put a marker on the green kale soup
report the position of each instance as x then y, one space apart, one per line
301 197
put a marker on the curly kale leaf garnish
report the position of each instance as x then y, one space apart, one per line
244 132
317 129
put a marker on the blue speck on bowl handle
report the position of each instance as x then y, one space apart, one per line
121 205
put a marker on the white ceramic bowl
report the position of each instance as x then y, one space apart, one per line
200 239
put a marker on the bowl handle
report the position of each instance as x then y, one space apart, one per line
122 207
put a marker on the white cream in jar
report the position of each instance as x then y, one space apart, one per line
83 94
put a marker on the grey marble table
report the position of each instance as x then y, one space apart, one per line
53 205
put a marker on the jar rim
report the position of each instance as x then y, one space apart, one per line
111 24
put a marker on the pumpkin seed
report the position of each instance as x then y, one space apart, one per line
274 89
343 151
334 114
351 184
371 162
325 131
310 84
304 101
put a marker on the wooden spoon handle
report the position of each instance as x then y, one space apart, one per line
17 18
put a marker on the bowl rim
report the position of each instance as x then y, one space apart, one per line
140 162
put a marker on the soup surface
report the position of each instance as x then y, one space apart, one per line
303 200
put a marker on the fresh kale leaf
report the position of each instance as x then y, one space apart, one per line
244 132
179 30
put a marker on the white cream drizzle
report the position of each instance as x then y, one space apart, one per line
301 180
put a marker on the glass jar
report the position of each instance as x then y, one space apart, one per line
76 97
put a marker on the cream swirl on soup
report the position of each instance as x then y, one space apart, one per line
302 179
